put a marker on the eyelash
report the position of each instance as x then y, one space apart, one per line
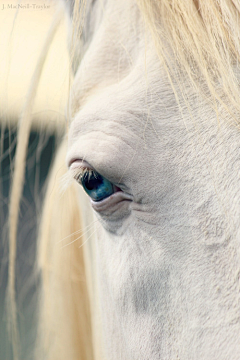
80 174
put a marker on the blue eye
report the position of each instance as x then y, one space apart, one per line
96 186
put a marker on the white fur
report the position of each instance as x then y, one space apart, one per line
168 262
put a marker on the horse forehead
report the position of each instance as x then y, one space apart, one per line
127 112
116 49
121 79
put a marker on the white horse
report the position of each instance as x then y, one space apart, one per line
154 142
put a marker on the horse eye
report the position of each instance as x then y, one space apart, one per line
96 186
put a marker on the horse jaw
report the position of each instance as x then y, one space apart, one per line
168 261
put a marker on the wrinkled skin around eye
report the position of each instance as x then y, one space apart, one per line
96 186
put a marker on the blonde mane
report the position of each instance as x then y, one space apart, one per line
202 38
198 42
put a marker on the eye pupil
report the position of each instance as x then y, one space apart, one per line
93 182
96 186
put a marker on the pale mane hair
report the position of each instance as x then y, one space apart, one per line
203 39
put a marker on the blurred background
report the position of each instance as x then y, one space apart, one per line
23 28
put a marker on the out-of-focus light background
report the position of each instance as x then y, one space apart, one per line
23 28
22 34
